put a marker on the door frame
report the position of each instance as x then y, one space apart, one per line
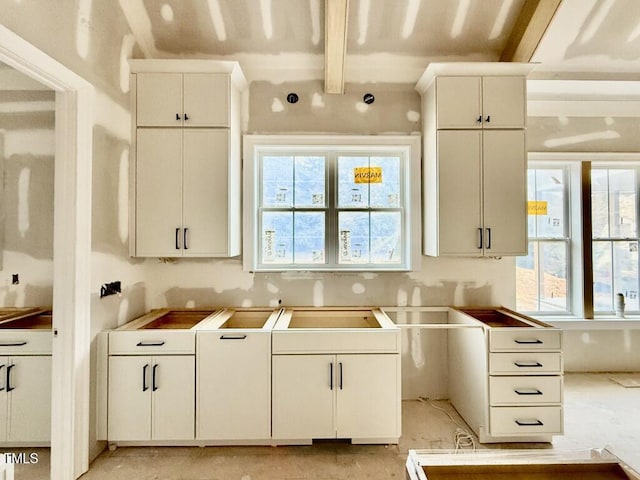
71 252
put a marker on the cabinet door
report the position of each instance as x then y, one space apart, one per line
4 403
159 99
206 100
368 399
159 192
303 396
234 385
503 102
129 411
504 192
29 382
206 160
459 102
173 397
459 194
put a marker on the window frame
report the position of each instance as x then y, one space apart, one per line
581 274
255 146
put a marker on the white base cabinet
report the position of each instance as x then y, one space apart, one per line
151 398
352 396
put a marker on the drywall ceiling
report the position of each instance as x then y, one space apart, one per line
387 40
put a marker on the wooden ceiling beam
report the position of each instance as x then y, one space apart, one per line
532 23
335 44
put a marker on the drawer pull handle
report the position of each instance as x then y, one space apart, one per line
480 237
340 375
331 375
154 386
528 364
150 344
1 367
529 423
9 387
13 344
233 337
532 391
529 342
144 378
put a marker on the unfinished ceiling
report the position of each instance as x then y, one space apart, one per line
387 40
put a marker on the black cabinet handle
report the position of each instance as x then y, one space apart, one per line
527 365
154 386
529 423
340 375
533 391
9 387
480 238
488 238
1 367
178 238
331 375
144 378
233 337
184 238
535 341
186 117
479 119
177 116
488 119
150 344
13 344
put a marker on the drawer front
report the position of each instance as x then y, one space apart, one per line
141 342
524 339
25 342
514 421
307 341
525 390
525 363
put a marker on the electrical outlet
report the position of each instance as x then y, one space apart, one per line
110 289
15 279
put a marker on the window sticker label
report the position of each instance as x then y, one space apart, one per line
269 240
537 207
392 199
356 196
345 244
367 175
317 199
281 196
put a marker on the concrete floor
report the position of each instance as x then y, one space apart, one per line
598 413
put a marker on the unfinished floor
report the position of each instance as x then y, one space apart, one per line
598 413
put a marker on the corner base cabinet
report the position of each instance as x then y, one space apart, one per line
186 167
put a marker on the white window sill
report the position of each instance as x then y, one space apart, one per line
632 322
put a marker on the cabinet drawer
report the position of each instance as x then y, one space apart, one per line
25 342
524 339
525 363
513 421
525 389
140 342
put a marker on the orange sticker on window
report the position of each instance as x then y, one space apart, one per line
367 175
537 207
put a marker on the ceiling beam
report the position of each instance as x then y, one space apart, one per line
335 44
532 23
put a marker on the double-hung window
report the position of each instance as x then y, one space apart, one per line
325 204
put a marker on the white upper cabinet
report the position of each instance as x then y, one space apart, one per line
480 102
177 99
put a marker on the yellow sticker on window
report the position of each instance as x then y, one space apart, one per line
537 207
367 175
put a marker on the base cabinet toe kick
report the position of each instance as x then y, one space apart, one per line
507 377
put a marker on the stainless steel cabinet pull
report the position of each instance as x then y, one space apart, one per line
233 337
144 378
177 116
488 119
529 423
527 364
9 387
331 375
1 367
340 375
488 238
177 238
184 238
480 238
150 344
532 391
154 387
535 341
13 344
